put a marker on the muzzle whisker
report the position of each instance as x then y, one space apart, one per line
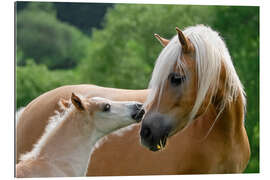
161 145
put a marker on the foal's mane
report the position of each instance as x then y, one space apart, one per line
54 121
210 54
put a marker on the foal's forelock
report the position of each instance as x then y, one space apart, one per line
210 54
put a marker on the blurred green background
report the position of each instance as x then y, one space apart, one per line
113 45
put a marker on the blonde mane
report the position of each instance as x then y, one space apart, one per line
211 52
54 121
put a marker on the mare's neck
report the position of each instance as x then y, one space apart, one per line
229 122
69 145
232 117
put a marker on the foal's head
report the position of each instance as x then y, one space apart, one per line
192 71
106 115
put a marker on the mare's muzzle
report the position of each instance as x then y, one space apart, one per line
155 130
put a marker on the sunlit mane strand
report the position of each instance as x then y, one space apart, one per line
210 54
52 125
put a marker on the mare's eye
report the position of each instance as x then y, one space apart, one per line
107 107
176 79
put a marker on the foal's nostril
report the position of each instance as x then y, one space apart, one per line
138 106
138 112
138 115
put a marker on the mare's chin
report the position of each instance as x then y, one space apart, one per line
157 146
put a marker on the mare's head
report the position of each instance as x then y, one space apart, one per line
192 71
106 115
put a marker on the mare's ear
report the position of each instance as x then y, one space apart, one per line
77 102
162 41
185 42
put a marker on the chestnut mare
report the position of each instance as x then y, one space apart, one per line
195 98
65 147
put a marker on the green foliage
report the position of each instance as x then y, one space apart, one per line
42 6
48 41
19 56
32 80
124 52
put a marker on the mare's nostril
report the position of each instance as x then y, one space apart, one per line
146 133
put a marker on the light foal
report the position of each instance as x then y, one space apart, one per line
205 136
69 138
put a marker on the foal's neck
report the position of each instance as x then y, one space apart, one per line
69 145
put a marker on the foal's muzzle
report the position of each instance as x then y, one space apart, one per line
155 130
138 112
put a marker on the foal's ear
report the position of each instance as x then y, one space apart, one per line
162 41
77 102
186 44
64 102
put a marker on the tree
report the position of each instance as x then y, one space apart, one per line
32 80
124 52
42 37
84 16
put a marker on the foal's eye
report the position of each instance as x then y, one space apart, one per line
107 107
176 79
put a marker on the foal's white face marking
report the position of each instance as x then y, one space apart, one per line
112 115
